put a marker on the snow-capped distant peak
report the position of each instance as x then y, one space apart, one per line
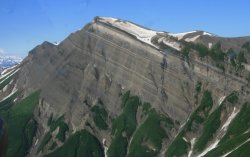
9 61
140 33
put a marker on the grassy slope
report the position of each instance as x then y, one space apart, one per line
80 144
124 126
236 128
235 134
7 103
53 124
147 141
179 146
228 146
100 116
21 128
212 123
6 80
242 151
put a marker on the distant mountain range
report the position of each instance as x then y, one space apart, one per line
9 61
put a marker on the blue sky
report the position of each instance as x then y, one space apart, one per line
27 23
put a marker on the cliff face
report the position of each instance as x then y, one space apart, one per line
100 61
98 65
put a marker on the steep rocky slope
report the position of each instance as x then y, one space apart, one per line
117 89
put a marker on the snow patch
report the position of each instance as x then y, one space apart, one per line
5 88
179 36
14 90
56 43
36 142
221 99
230 118
210 45
212 146
141 33
172 44
5 71
161 39
105 147
206 33
221 133
12 73
184 139
15 99
192 146
247 67
192 39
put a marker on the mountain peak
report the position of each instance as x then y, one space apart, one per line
106 84
141 33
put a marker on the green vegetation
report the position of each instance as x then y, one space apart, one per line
123 127
248 79
100 116
216 53
201 113
6 80
50 120
246 46
236 127
80 144
206 103
242 151
30 132
146 107
8 103
21 128
211 125
186 51
148 138
233 98
44 142
228 145
198 87
59 122
179 146
125 98
63 127
54 124
53 146
201 49
240 60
